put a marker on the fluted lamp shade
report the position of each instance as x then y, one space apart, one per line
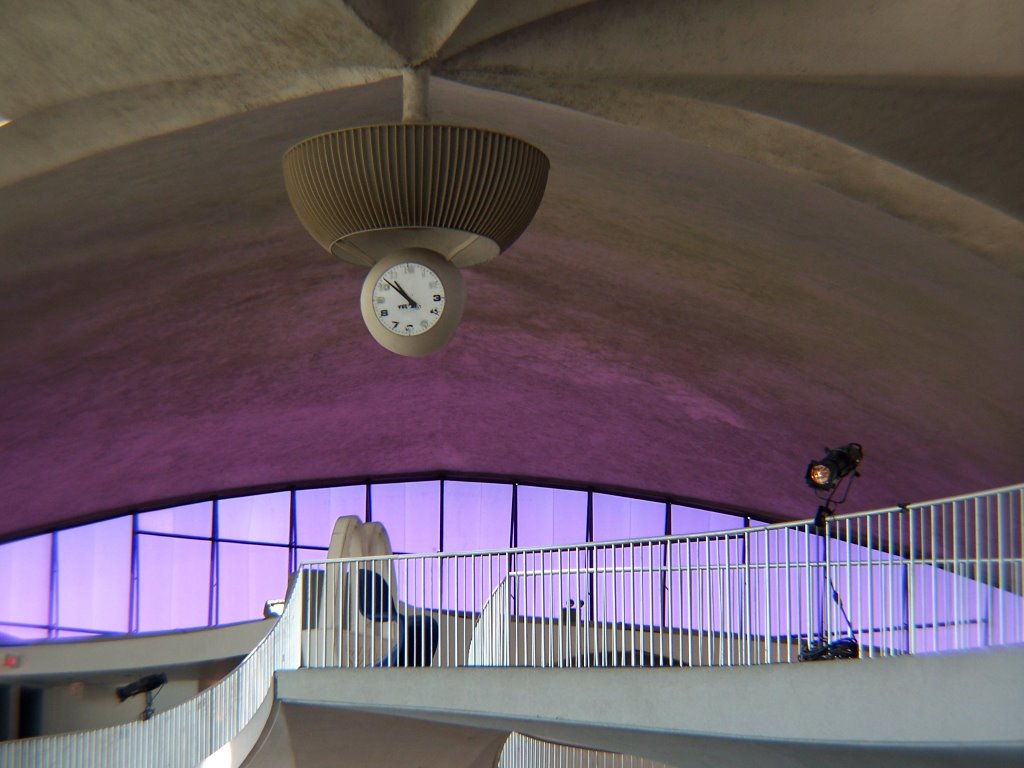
365 192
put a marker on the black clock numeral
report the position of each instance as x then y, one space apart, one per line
394 323
435 311
383 313
437 297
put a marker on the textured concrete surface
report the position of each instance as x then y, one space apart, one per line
913 711
768 227
113 658
311 737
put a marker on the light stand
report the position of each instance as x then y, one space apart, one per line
150 685
827 475
148 711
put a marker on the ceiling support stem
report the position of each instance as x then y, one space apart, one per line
416 95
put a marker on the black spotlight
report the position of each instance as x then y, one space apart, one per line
824 475
142 685
145 685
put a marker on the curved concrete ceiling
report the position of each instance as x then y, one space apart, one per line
768 227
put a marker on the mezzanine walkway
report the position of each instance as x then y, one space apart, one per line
963 709
522 639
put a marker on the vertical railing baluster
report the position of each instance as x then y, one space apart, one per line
629 611
911 593
708 603
959 577
871 590
945 580
933 564
890 588
548 612
721 572
977 577
585 606
807 583
1019 589
667 597
767 628
847 604
1000 579
823 562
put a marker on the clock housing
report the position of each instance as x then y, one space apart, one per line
412 301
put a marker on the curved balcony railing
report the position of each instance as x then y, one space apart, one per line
946 575
940 576
183 736
524 752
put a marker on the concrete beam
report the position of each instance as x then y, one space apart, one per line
940 710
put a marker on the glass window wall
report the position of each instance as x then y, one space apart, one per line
218 561
25 587
91 556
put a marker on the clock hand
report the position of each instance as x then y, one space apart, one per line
398 288
408 298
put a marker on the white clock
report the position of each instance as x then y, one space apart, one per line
412 301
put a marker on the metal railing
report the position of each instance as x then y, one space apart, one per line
183 736
945 575
524 752
940 576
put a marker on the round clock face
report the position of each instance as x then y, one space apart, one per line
412 301
408 299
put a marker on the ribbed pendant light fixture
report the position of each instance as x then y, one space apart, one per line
360 191
374 192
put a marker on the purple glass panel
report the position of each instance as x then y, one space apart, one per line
316 511
476 516
12 634
1005 610
94 575
952 610
255 518
410 513
689 520
25 584
188 520
249 576
174 583
551 516
309 555
619 518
